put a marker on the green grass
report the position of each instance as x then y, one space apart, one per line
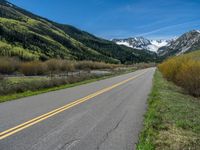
32 93
172 121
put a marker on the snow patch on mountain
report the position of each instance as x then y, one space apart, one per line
152 48
156 44
198 31
159 43
124 43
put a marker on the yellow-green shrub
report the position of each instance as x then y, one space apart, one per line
184 70
189 77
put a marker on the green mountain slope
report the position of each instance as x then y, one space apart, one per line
31 37
108 48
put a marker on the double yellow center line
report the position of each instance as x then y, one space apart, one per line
38 119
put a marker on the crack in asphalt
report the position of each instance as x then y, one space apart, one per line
110 131
68 144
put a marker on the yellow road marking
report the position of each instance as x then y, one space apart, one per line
45 116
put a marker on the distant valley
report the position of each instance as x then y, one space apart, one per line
30 37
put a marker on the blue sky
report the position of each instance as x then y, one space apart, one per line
155 19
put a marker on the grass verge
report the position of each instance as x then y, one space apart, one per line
172 121
32 93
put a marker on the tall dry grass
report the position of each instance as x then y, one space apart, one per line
33 68
10 66
184 71
85 65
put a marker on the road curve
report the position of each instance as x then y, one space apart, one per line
103 115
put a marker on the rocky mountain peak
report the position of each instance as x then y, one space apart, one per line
187 42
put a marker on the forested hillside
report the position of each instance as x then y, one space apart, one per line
30 37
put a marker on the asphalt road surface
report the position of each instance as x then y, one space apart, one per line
103 115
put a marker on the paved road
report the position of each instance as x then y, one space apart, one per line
109 119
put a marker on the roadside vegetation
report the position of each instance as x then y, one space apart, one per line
25 78
184 71
172 121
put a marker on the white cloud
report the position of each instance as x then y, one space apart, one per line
168 27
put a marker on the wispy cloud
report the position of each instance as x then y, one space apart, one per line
160 33
168 27
134 8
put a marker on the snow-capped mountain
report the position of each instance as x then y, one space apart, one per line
187 42
143 43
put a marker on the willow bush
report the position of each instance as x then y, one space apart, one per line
184 70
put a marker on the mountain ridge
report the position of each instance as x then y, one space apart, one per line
189 41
